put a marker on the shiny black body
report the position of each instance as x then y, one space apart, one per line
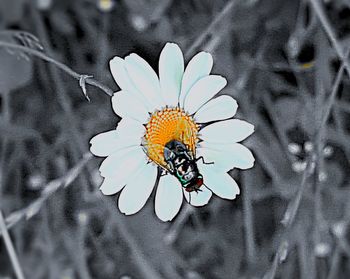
183 165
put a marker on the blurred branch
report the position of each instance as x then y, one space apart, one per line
176 226
23 37
287 221
4 121
248 218
80 77
159 10
330 33
73 131
210 28
141 260
52 187
10 248
293 206
335 87
336 259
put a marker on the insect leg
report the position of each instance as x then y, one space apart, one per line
204 162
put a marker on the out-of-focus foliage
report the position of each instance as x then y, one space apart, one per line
281 67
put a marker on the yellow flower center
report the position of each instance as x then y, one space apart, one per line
167 125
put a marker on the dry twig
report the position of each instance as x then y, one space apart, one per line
63 182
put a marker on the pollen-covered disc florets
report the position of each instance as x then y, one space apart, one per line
167 125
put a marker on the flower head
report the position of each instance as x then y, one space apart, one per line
172 123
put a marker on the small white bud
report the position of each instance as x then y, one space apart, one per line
339 229
82 218
308 146
36 181
322 249
43 5
322 176
328 151
105 5
139 23
293 46
299 166
294 148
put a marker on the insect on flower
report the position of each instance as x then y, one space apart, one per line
182 164
173 123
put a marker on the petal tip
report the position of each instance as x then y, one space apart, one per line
205 55
164 219
171 44
106 192
251 164
224 80
115 59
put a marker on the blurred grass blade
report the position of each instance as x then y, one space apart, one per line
10 248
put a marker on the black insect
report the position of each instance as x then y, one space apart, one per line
183 165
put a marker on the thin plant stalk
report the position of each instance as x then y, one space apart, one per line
6 115
317 6
10 248
81 77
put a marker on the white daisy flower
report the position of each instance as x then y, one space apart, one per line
171 123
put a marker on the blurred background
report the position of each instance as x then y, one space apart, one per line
287 65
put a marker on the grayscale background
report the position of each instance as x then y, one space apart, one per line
286 64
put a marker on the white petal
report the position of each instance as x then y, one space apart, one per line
121 77
145 80
202 91
137 191
222 160
130 128
226 156
127 134
125 104
222 184
111 186
123 163
199 198
220 108
198 67
233 130
120 168
171 69
105 143
168 198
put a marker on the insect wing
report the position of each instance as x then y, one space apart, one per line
187 137
148 146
